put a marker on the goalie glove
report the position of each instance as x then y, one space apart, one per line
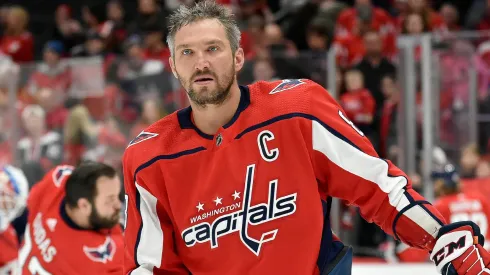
458 250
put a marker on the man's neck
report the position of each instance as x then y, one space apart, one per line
76 217
210 118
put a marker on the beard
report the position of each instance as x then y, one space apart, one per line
99 222
203 96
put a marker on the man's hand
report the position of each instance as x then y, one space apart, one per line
458 250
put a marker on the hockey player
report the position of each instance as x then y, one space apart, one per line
240 182
73 222
455 205
13 195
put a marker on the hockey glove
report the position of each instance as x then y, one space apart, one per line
458 250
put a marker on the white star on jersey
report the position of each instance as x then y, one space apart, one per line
200 207
236 195
218 200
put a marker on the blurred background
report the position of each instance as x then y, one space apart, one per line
80 79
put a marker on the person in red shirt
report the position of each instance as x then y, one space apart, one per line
17 42
435 20
155 47
13 195
377 19
73 222
241 181
358 103
388 137
456 205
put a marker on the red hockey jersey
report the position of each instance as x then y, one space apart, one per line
466 207
9 245
254 198
54 244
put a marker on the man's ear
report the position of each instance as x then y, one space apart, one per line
84 205
172 66
239 59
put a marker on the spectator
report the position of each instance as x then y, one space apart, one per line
253 39
154 45
358 104
469 161
318 36
150 114
49 84
93 18
149 13
415 24
376 19
115 28
482 61
39 145
110 145
67 30
435 22
79 132
388 125
17 41
374 67
94 46
450 15
263 70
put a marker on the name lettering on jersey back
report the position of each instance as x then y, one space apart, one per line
43 243
472 205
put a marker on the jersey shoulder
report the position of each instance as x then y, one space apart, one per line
164 137
287 95
51 186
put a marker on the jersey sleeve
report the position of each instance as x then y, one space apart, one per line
347 167
149 235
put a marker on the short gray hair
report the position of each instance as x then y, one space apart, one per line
207 9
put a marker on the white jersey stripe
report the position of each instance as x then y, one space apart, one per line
150 246
372 169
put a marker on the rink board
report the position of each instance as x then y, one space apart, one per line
395 269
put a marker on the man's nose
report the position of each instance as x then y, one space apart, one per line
202 62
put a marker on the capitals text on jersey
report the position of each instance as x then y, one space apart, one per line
240 220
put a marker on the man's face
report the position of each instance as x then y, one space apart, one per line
204 63
35 124
373 44
50 57
107 205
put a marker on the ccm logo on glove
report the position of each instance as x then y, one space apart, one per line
448 250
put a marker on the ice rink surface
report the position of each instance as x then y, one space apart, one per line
395 269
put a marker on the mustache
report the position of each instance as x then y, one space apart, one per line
204 72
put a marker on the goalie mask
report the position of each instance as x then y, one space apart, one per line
13 194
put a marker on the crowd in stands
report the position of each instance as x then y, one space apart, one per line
103 74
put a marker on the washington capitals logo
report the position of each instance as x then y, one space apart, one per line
60 173
142 137
241 220
287 84
102 253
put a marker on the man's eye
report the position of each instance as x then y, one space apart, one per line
213 48
186 52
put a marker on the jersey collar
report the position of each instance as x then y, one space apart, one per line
185 121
